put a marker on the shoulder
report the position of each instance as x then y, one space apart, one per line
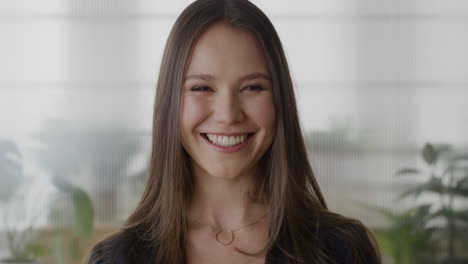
348 244
122 247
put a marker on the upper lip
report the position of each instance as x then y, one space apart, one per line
227 134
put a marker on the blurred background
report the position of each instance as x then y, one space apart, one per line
382 87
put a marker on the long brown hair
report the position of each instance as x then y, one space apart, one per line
298 209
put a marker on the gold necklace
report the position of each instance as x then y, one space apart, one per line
220 231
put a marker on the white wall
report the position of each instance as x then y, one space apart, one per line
392 73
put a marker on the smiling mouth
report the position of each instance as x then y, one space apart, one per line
226 141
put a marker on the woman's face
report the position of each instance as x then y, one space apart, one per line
227 110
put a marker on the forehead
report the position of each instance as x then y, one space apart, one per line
225 51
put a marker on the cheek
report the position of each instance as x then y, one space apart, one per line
263 112
193 112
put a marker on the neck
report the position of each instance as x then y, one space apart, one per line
224 203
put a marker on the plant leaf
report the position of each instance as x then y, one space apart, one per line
460 191
408 171
433 185
75 250
83 207
37 250
408 239
451 213
429 154
10 169
385 242
56 241
84 213
463 182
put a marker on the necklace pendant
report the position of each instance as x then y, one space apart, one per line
226 241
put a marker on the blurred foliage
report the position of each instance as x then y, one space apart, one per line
22 242
436 229
83 221
64 149
10 169
106 150
82 205
409 239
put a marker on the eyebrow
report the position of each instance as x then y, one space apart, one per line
248 77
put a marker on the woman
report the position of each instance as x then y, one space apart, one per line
229 180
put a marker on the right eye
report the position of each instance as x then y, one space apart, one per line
200 88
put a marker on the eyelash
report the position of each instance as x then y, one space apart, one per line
199 88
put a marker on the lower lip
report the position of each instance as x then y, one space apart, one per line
230 149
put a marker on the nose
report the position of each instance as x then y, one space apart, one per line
228 108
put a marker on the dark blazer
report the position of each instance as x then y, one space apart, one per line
124 248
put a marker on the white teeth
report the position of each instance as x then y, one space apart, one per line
226 141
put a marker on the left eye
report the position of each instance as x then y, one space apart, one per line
200 89
254 88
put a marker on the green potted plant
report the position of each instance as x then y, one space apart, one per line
444 222
22 240
83 222
409 239
19 243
